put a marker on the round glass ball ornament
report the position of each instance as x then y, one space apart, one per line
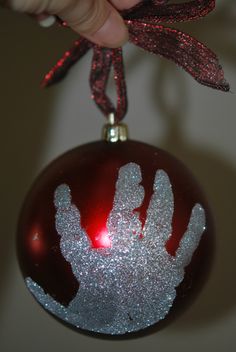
113 237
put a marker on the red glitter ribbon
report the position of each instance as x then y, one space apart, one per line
143 22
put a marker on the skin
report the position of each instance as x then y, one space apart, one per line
97 20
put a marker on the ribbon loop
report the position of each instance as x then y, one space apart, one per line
101 66
103 60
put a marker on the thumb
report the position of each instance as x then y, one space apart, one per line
97 20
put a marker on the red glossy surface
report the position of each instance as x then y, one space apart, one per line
91 172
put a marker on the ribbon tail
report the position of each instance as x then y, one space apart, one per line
194 57
70 57
159 11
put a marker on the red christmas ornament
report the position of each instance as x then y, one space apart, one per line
112 236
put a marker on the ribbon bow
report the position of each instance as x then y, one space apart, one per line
143 22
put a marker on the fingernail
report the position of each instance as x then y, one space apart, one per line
113 33
47 21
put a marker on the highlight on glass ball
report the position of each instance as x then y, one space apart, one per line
113 237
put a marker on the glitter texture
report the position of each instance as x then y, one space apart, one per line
132 284
144 22
101 65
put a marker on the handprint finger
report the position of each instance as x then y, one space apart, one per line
67 221
129 193
123 222
62 197
192 236
158 225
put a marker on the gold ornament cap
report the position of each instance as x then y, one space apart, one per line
114 132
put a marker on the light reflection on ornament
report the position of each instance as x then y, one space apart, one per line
102 240
36 243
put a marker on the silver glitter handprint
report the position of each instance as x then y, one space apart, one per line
132 284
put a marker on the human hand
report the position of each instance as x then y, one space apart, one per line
96 20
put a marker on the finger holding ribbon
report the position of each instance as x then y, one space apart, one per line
99 21
106 25
144 23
